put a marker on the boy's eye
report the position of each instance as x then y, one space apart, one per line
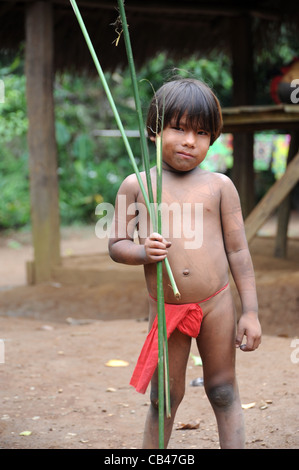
182 128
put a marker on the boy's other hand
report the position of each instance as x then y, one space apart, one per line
155 247
250 327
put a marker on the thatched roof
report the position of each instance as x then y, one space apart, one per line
181 28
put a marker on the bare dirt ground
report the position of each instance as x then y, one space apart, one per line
57 391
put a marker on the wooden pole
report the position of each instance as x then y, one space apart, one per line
41 140
243 91
284 209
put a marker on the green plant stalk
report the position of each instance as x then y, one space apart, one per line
160 309
162 339
144 148
161 312
143 142
163 369
110 99
121 128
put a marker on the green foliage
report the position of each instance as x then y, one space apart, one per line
91 167
14 201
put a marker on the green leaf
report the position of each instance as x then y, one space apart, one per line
25 433
196 359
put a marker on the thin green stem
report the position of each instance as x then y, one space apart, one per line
163 343
143 142
161 313
149 201
160 307
111 100
122 131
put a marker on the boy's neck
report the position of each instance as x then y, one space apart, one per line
166 167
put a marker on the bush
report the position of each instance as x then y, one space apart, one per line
90 168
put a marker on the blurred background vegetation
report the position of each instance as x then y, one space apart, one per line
91 167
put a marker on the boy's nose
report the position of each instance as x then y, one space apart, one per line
190 138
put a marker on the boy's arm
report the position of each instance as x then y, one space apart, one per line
122 247
241 266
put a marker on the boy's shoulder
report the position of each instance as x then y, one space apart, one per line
222 182
224 179
220 178
130 185
132 178
130 181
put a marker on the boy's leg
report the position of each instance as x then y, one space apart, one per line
216 344
178 352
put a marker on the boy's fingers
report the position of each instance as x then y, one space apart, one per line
157 245
155 257
246 347
239 338
157 252
159 257
158 237
251 344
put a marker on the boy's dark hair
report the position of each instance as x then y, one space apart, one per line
190 96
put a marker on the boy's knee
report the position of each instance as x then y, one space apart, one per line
221 396
175 398
154 399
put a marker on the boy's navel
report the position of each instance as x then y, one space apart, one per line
186 272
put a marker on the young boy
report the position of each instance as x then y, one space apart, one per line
209 203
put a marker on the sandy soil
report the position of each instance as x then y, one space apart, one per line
57 338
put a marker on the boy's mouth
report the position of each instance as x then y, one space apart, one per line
185 155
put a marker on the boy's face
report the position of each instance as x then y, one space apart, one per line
184 148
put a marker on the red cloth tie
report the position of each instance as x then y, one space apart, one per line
186 318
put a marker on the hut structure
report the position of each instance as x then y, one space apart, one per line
53 41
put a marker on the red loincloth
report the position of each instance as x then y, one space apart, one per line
186 318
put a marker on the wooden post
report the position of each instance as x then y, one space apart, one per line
280 250
41 140
272 199
243 92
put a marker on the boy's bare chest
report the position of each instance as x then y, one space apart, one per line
191 191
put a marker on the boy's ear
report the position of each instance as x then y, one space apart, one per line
153 138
